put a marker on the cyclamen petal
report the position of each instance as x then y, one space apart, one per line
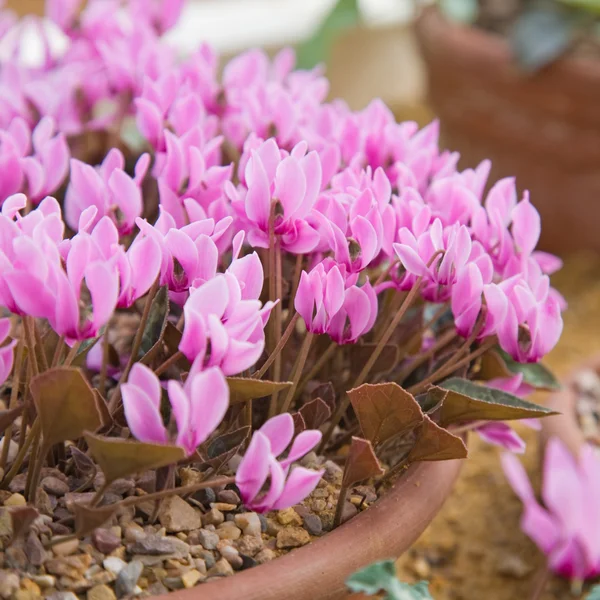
143 417
300 483
279 431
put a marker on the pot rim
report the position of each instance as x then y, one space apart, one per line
318 570
435 30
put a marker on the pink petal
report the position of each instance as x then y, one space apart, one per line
411 261
143 418
180 406
144 378
526 226
258 197
193 341
103 283
303 444
209 402
300 483
279 431
253 469
290 186
500 434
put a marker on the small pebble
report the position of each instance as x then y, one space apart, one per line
44 581
223 507
228 531
213 517
206 496
292 537
249 544
313 524
421 568
222 568
128 577
105 540
54 486
114 565
289 517
208 539
9 584
176 514
200 564
228 497
513 566
65 548
191 578
265 556
101 592
249 523
15 500
133 532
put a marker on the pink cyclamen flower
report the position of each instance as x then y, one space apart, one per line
6 351
286 487
107 187
330 304
293 180
198 406
223 325
567 528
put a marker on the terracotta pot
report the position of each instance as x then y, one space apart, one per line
566 426
318 571
543 128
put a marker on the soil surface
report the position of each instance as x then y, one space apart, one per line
474 549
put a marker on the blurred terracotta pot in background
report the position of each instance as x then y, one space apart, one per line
543 128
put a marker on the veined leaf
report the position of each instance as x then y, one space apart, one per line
535 374
435 443
384 410
315 413
157 322
65 403
468 401
361 463
118 457
242 389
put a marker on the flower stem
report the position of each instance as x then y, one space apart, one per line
316 368
298 368
30 337
339 509
104 366
387 334
72 354
295 284
42 358
14 393
168 363
451 366
137 342
21 455
282 342
277 323
60 346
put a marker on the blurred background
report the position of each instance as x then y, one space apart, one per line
531 104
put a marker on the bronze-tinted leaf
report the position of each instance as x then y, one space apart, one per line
468 401
223 448
157 322
315 413
22 518
387 360
65 403
118 457
492 366
384 410
83 463
8 416
87 519
326 392
299 423
431 400
361 463
435 443
172 337
246 388
107 420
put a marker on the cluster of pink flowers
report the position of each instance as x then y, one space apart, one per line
255 159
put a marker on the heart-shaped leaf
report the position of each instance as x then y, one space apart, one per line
435 443
387 360
223 448
468 401
83 463
361 463
535 374
299 423
118 457
315 413
156 323
541 34
491 366
242 389
326 392
384 410
65 403
87 519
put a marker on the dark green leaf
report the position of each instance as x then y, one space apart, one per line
157 321
594 593
222 449
361 463
384 410
381 576
462 11
468 401
85 347
374 578
542 33
345 14
535 374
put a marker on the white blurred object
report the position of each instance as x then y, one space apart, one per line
231 25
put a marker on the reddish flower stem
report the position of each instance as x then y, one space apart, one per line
298 368
282 342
